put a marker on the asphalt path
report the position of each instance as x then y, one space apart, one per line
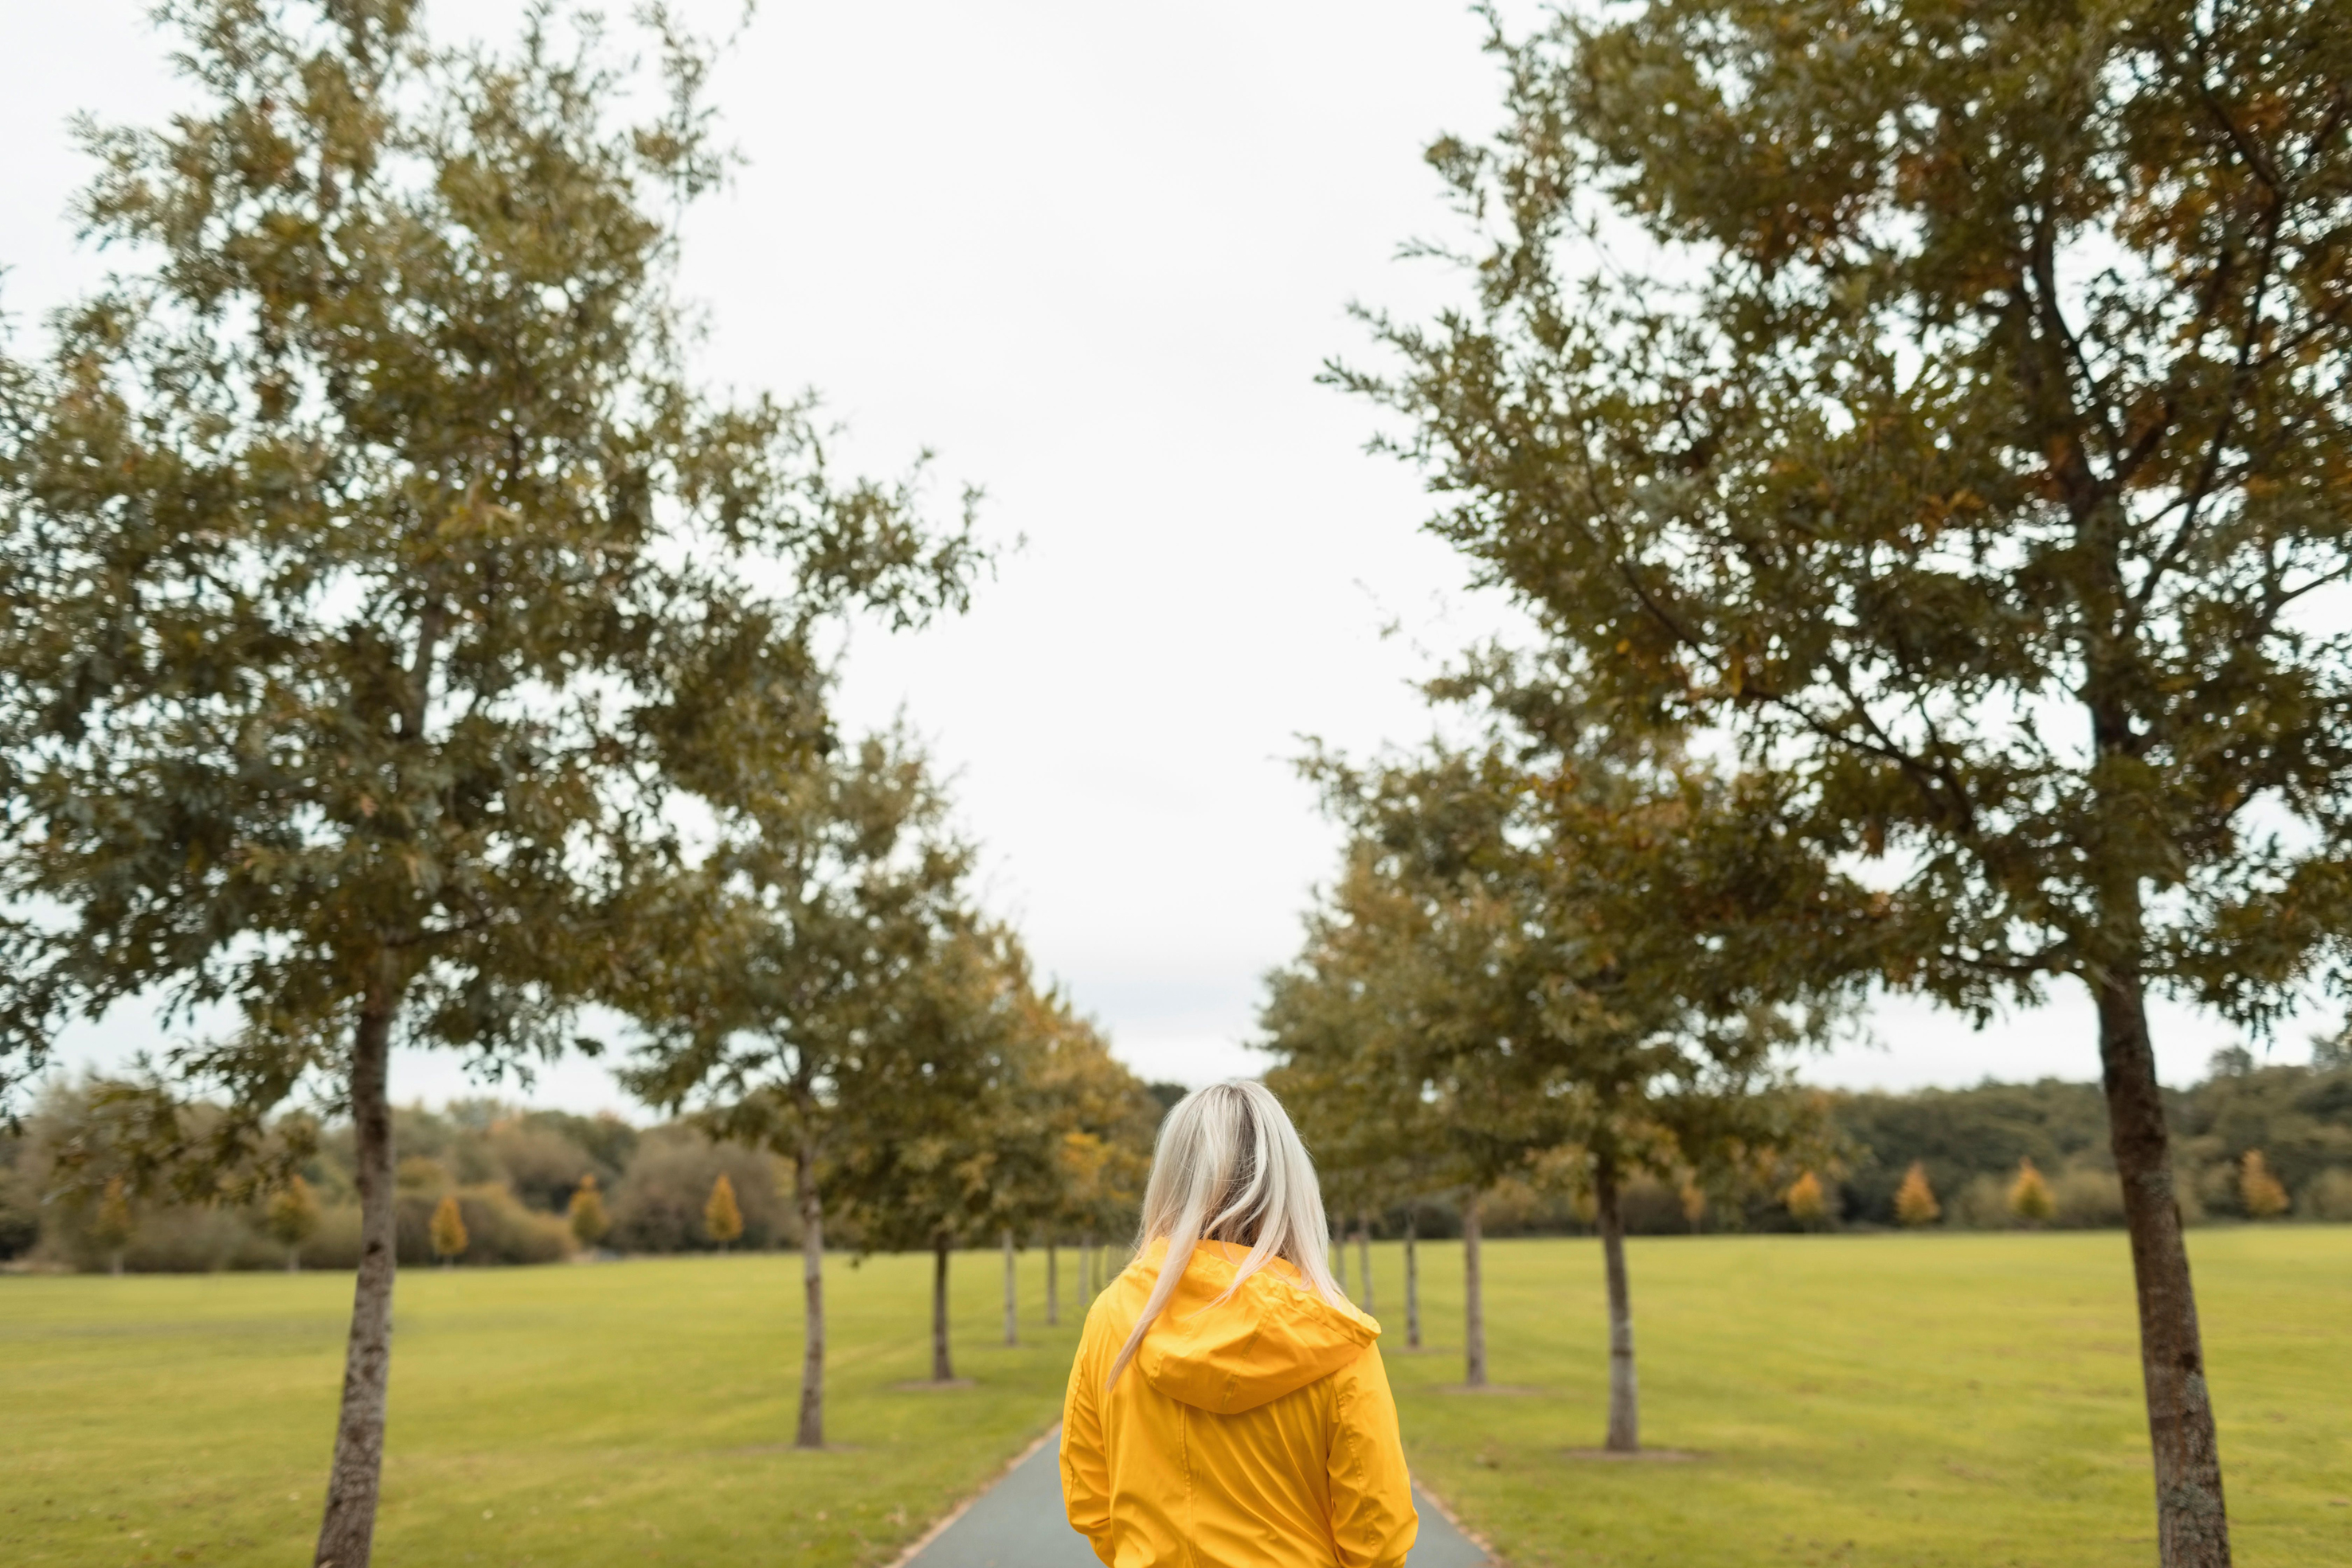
1019 1523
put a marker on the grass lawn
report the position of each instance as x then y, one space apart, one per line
1885 1400
632 1412
1946 1400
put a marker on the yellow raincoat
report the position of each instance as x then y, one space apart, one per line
1255 1433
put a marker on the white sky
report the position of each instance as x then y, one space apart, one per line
1093 256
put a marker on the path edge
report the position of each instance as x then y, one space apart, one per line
1494 1558
939 1526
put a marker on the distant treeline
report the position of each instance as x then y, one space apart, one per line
1969 1143
513 1172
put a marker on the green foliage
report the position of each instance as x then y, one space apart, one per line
292 1215
1962 375
657 1204
1570 940
496 1230
1968 1141
379 586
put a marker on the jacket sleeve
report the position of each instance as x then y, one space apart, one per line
1372 1519
1086 1465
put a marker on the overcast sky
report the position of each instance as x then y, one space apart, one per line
1093 258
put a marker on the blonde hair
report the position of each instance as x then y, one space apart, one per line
1229 1167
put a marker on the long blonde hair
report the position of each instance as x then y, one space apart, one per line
1229 1167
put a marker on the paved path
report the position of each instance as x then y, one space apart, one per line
1019 1523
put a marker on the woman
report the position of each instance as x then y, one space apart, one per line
1228 1409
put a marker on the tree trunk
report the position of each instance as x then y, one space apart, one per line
1474 1301
293 1260
2192 1527
1052 1284
1012 1294
1339 1255
1364 1259
811 1427
1087 1261
1624 1396
942 1369
347 1534
115 1266
1411 1283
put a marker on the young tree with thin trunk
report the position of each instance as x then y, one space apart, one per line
291 1217
777 1008
448 1230
1412 1276
1954 423
723 1217
1914 1201
586 1214
113 1225
957 1144
379 585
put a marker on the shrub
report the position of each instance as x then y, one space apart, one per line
657 1204
497 1229
2328 1196
2028 1196
2088 1199
2257 1189
20 1213
1915 1200
540 1163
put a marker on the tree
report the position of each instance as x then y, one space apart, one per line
112 1226
1805 1201
1375 1026
291 1217
2028 1196
1914 1201
958 1146
1603 929
586 1214
783 1017
1099 1121
448 1230
378 588
2261 1192
722 1220
1944 417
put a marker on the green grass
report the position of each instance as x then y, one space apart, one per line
1882 1400
1912 1400
635 1412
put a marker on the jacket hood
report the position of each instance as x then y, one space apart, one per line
1271 1337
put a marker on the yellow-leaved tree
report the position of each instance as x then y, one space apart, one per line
1914 1201
2028 1196
448 1230
722 1218
1804 1200
586 1212
2261 1193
